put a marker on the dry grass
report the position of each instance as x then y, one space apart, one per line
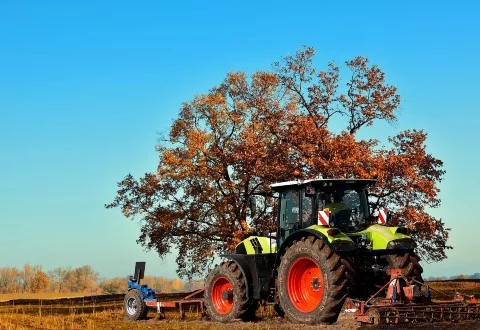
70 321
451 287
115 319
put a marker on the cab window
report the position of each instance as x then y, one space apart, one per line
290 208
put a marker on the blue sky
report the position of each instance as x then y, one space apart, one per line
85 88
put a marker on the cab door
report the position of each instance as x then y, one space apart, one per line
289 215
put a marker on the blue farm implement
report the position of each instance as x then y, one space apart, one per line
140 298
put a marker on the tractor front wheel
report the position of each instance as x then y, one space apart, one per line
312 282
226 294
407 261
135 307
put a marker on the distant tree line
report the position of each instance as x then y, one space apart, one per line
160 284
33 279
475 276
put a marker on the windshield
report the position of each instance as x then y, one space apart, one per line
348 208
299 208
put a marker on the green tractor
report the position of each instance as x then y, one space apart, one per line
327 246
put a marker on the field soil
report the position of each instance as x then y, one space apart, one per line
106 312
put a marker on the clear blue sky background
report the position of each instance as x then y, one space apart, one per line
86 86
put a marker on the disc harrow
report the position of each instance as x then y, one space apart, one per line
419 313
406 303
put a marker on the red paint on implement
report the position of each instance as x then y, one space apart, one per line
305 285
220 285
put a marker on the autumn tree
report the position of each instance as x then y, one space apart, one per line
10 281
113 285
27 276
81 279
178 285
58 278
252 131
87 278
40 282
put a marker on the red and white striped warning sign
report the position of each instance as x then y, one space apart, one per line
382 217
324 217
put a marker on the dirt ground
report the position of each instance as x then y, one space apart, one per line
23 318
106 312
346 322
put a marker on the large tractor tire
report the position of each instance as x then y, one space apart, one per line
278 310
135 307
226 294
408 262
313 282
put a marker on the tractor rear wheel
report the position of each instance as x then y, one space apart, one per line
313 282
278 310
408 262
135 307
226 294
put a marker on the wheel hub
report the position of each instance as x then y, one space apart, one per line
222 295
131 306
227 295
315 284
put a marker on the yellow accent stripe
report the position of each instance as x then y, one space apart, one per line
265 244
249 246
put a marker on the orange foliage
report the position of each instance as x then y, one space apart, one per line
40 282
250 132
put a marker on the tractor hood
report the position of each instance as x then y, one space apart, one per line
383 237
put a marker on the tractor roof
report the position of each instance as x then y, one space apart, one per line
323 182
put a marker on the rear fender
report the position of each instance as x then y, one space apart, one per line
257 245
338 242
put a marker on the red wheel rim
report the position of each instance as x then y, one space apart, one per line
221 305
305 284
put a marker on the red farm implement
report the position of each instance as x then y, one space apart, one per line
408 301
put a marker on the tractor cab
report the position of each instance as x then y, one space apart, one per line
339 203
